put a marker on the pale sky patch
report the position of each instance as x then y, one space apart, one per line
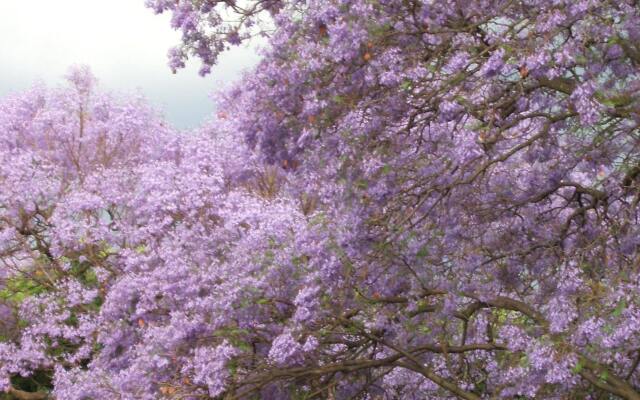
123 42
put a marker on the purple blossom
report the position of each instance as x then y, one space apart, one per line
389 201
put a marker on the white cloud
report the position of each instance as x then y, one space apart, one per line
124 43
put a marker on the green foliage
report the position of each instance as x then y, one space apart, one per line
622 304
578 367
84 273
423 252
39 381
19 287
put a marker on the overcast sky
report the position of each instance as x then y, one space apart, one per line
123 42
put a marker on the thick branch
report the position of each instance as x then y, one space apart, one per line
22 395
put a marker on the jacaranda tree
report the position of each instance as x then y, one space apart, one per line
405 199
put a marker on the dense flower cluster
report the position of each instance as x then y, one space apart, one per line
209 27
436 199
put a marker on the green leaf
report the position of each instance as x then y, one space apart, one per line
405 85
524 361
578 367
423 252
604 375
18 288
232 367
362 183
622 304
386 169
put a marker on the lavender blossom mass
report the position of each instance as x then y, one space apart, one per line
403 200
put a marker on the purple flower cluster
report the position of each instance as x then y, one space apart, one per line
404 200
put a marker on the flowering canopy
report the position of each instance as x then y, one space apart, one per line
439 199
